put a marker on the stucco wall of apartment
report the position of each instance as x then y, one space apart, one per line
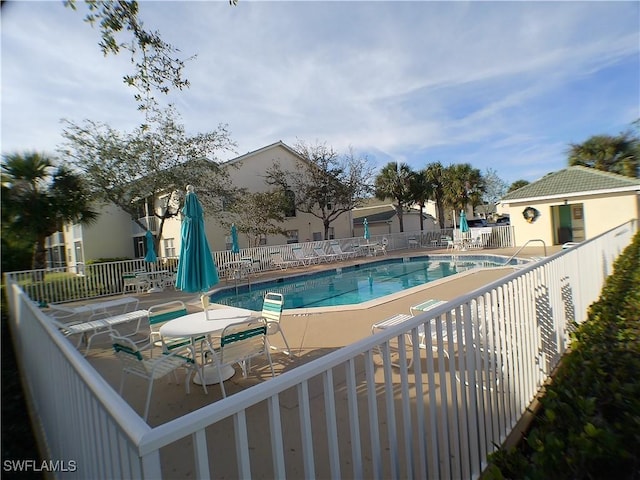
249 172
109 237
589 216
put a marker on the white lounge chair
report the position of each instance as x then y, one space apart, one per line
96 309
278 261
402 317
303 257
337 250
324 256
90 329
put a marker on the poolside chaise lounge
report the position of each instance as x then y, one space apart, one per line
337 249
324 256
303 257
106 308
403 317
278 261
90 329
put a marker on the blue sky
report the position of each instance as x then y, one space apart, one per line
500 85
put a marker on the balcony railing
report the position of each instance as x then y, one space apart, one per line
436 420
150 223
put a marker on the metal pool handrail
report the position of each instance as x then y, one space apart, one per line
525 244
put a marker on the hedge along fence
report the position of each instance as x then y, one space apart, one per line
589 422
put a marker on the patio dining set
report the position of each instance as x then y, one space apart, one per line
156 342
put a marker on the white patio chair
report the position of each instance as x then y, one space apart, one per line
168 280
381 248
135 283
272 307
477 243
135 362
240 343
163 312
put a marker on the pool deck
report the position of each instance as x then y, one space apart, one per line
311 333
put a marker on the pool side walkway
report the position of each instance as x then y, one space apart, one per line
310 334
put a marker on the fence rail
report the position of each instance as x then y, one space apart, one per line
438 419
82 282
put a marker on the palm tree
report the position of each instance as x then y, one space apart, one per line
36 202
464 185
618 154
435 176
393 182
421 190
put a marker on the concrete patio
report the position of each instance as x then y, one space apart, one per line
311 334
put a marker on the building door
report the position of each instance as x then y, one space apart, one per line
568 223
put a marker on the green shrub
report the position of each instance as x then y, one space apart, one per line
589 422
107 260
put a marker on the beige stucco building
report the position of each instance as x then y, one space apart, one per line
115 235
572 205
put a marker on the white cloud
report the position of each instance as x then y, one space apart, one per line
497 83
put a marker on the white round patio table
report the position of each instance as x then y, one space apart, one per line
198 324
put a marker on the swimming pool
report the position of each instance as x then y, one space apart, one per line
357 283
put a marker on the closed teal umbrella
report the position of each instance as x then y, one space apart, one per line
151 256
235 248
366 235
464 226
196 270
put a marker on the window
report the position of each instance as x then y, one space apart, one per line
169 247
144 208
139 247
332 233
78 249
290 209
292 236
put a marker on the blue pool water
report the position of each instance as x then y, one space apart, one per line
354 284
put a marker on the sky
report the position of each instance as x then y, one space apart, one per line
506 86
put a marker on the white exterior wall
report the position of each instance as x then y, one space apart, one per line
600 213
109 237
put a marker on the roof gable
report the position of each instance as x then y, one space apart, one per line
574 180
278 144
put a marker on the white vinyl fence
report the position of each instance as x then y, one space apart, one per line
350 413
